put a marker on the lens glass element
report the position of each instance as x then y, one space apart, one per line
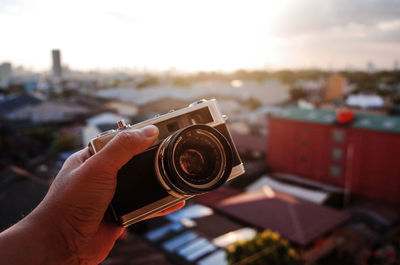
198 157
191 161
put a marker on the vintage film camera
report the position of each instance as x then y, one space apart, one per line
194 154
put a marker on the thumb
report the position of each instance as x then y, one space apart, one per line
121 149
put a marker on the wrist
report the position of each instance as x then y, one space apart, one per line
47 231
34 240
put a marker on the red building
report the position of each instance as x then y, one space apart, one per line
362 156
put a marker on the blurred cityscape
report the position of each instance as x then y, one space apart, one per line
321 151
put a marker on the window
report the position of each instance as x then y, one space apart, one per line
338 136
335 171
336 153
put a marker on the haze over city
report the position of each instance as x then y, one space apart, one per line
205 35
292 106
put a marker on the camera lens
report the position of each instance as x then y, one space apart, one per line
198 156
191 162
194 160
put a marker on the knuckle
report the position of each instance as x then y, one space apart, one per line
71 158
128 138
128 141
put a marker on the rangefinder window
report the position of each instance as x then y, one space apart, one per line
200 116
196 119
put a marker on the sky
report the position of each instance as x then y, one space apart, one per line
187 35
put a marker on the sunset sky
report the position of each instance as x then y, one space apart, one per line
201 35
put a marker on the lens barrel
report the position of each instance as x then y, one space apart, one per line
194 160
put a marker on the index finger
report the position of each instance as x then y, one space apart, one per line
79 157
168 210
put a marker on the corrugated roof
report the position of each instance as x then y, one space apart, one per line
299 221
18 102
368 121
315 196
316 116
377 122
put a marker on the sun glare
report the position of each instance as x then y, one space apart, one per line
158 35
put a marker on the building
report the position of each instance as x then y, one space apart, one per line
54 111
361 156
20 192
122 108
163 105
365 101
5 71
17 103
313 88
371 67
268 93
56 59
334 87
314 196
195 234
100 123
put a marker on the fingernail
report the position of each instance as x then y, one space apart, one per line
150 130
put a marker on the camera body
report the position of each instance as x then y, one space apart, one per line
194 154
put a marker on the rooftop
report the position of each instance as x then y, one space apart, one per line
20 192
367 121
18 102
106 118
315 196
49 111
299 221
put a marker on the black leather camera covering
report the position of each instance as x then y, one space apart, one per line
137 184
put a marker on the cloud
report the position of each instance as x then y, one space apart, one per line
308 16
9 6
384 36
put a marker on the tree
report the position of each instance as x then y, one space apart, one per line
286 76
253 103
297 93
66 143
45 135
265 248
181 82
148 81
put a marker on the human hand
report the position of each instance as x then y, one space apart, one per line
74 208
